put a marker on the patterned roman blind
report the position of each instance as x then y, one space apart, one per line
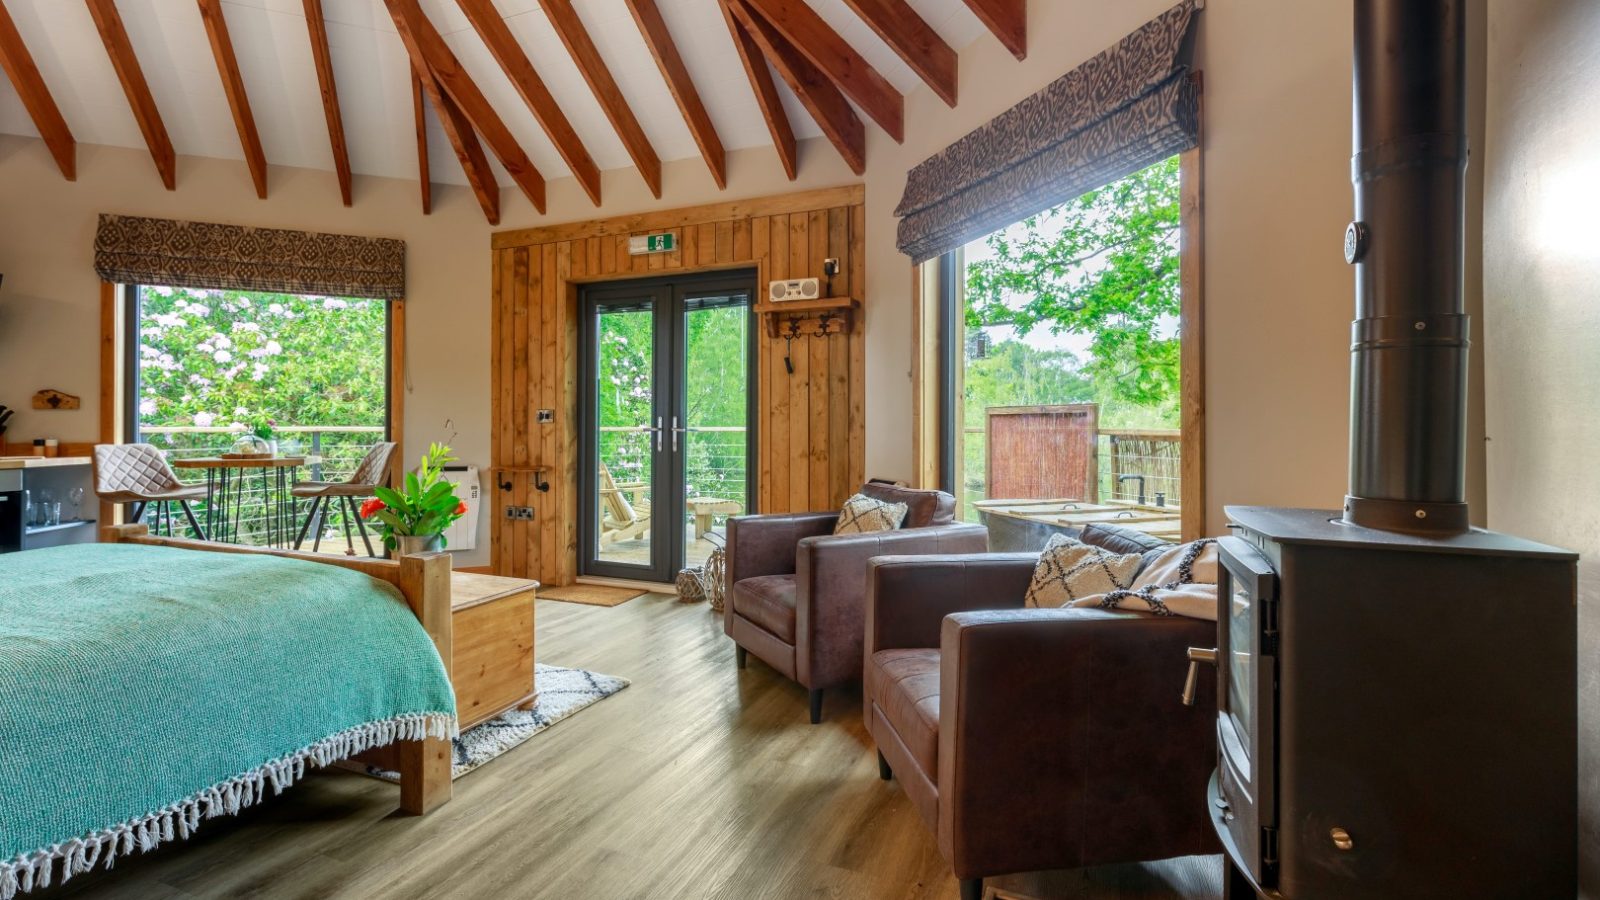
1127 108
137 250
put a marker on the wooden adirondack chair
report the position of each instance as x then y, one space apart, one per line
624 509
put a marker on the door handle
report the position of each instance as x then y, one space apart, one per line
657 430
675 432
1197 656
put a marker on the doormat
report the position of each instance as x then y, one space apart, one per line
591 594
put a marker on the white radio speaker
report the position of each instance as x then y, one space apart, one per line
795 289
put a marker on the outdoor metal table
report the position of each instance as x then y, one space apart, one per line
225 474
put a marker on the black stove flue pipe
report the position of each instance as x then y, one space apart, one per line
1410 338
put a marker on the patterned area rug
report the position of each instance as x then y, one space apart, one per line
562 692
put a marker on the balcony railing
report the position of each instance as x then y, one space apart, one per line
716 463
332 453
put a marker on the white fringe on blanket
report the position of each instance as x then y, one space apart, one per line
81 854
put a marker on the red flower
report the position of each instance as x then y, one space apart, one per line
461 510
371 507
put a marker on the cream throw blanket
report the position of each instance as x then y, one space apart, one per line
1180 582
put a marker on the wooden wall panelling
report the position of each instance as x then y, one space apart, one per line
810 437
857 263
760 251
779 422
799 399
821 489
838 428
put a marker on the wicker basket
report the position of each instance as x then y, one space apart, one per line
714 578
690 588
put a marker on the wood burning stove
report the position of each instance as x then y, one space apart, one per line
1397 694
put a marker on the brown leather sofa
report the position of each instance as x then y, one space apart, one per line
796 591
1035 739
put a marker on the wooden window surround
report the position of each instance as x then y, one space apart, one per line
113 380
1192 441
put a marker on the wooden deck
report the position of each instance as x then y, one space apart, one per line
637 551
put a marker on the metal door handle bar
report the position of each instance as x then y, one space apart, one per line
1197 655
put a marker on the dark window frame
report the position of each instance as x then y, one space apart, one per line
131 385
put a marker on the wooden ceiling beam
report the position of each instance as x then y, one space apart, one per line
458 129
849 70
581 47
682 86
115 37
825 102
19 66
424 170
755 67
233 86
317 27
514 62
910 36
429 53
1007 19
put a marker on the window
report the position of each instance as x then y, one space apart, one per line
1060 369
207 368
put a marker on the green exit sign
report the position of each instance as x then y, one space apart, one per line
653 243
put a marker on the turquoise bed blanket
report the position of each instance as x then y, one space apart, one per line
143 689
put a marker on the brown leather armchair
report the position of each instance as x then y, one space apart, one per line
1034 739
796 591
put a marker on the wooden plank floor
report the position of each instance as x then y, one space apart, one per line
699 781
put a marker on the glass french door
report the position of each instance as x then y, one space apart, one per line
666 422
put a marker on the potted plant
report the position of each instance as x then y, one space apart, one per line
412 520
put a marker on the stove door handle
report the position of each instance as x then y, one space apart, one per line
1197 655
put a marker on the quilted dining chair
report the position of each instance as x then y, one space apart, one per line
361 483
139 474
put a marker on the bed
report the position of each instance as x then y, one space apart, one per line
148 684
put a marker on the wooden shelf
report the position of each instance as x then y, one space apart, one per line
845 308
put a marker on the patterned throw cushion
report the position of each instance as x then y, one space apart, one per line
1069 569
862 514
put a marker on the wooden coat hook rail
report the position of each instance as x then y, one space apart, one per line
541 484
834 315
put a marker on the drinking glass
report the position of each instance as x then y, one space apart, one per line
76 496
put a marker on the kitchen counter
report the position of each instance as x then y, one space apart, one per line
42 462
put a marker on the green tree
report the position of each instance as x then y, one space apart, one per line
1012 373
223 358
1104 265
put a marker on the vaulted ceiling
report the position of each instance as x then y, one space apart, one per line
507 93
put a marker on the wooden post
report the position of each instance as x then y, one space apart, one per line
425 765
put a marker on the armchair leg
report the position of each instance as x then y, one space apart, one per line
816 706
884 772
741 656
972 889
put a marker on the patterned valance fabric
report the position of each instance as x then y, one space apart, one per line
137 250
1129 107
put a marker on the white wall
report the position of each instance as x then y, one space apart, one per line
1542 286
1277 146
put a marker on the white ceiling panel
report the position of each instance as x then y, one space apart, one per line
372 70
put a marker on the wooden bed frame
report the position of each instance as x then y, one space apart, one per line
424 580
